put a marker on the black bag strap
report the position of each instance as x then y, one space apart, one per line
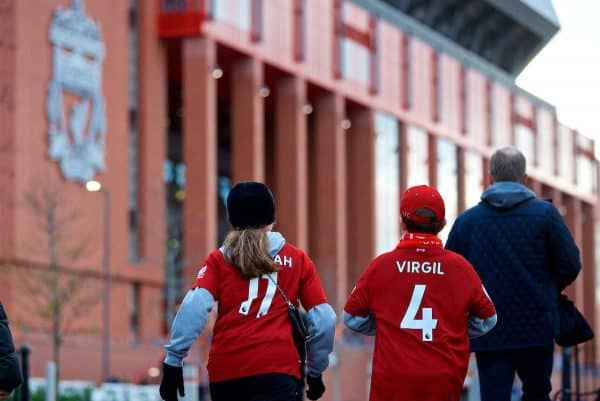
287 301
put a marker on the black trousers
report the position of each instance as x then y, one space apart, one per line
497 372
269 387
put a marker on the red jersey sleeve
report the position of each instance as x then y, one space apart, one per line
208 276
359 302
311 290
480 304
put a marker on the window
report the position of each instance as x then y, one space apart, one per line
418 155
447 177
359 52
586 166
134 312
133 164
235 12
473 178
387 194
525 141
545 138
565 153
355 61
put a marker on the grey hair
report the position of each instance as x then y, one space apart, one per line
507 164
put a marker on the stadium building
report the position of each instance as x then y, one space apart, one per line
338 105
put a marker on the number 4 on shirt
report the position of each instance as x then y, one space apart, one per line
427 324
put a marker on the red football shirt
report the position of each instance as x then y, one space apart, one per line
253 334
421 298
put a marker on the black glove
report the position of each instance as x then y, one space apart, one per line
316 388
172 381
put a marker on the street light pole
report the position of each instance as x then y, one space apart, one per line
106 287
95 186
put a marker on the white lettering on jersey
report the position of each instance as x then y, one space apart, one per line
287 261
414 266
202 272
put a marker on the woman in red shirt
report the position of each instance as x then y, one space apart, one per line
252 276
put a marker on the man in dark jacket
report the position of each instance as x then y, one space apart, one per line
525 255
10 372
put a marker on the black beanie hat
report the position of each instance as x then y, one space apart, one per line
250 205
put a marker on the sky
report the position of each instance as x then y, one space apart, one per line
566 72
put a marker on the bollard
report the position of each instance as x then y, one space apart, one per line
25 351
566 374
51 385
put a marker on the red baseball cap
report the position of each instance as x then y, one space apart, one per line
422 196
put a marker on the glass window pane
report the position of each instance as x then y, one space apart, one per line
236 12
473 178
386 184
586 174
447 176
418 169
525 141
355 61
565 159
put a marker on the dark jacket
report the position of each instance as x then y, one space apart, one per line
524 254
10 371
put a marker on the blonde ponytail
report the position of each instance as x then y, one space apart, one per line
248 249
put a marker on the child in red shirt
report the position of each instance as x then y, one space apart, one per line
422 303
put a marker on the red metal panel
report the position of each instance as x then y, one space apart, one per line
184 22
476 119
338 32
420 77
405 72
513 119
352 33
462 98
449 94
256 21
488 112
546 140
374 59
435 86
501 115
299 22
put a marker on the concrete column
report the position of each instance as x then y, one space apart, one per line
291 161
588 258
361 192
247 121
460 178
535 186
8 139
328 227
432 159
152 129
573 219
402 158
199 153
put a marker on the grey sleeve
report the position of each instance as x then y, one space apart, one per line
363 325
478 326
188 324
321 330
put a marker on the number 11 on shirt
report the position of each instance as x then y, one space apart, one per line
427 324
253 294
